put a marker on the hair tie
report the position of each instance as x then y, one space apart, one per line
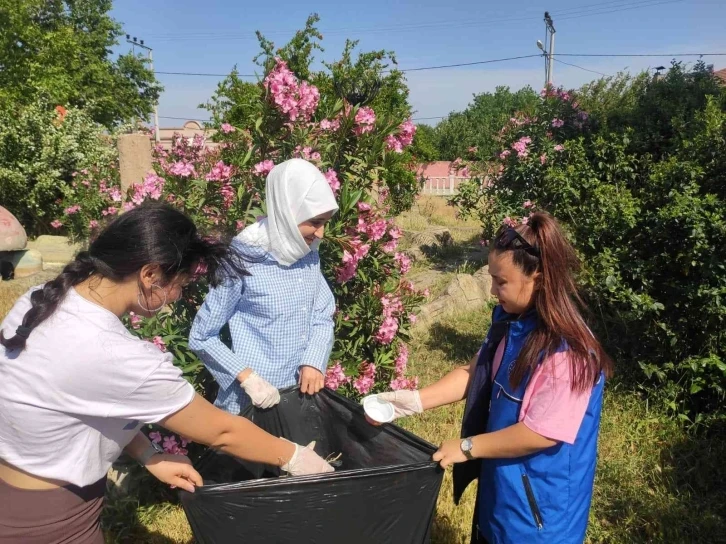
23 332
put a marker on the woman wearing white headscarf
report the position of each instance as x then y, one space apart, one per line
281 316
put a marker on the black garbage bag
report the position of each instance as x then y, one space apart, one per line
384 489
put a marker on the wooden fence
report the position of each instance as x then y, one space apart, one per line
443 186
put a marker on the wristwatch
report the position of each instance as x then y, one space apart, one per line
466 447
152 450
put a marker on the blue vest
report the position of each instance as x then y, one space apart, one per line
544 497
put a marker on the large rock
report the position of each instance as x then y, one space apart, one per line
465 292
20 264
12 233
55 249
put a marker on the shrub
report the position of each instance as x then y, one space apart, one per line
644 208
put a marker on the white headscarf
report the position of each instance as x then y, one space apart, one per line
296 191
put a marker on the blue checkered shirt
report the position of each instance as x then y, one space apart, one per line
280 318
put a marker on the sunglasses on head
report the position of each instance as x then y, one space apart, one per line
508 238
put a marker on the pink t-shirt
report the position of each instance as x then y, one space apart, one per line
550 407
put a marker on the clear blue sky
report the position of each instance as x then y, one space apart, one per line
212 36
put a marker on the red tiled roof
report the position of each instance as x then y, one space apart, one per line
436 169
721 74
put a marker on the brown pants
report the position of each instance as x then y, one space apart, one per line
66 515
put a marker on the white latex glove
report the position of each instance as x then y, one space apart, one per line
306 461
405 402
263 394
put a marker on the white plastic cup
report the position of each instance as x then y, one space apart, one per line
380 411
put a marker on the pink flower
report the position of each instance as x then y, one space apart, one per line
365 119
400 382
219 172
92 224
228 195
182 168
403 262
543 158
412 318
395 232
153 186
332 177
327 124
528 204
520 146
557 123
263 168
464 172
56 224
315 156
335 377
351 260
293 99
227 128
366 380
387 331
377 230
390 246
504 154
392 305
364 207
393 144
525 220
111 210
159 343
240 225
508 221
115 194
473 149
128 206
72 210
135 320
155 437
170 444
559 148
401 359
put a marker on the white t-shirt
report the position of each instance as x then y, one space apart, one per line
80 391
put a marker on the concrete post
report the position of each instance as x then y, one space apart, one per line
134 152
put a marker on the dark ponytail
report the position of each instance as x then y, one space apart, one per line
558 303
151 234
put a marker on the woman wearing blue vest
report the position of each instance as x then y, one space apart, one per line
533 397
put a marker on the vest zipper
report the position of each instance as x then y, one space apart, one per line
532 502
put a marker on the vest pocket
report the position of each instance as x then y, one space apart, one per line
536 514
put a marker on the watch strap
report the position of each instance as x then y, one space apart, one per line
152 450
467 451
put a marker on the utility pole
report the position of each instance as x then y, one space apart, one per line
550 33
140 43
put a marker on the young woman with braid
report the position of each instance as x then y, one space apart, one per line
77 387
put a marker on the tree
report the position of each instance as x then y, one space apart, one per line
477 126
60 51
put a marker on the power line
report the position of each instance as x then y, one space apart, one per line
594 55
574 12
202 74
469 63
386 71
580 67
672 55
